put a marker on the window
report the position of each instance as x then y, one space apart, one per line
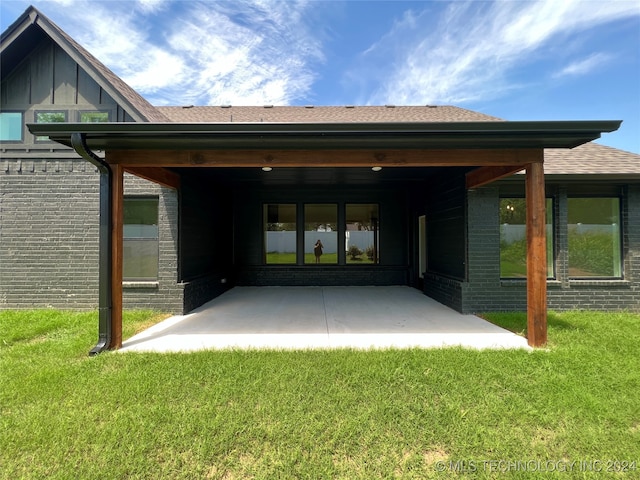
513 238
280 233
316 238
594 237
361 234
320 233
94 117
140 239
50 117
11 126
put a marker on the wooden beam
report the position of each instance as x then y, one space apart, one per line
484 175
324 158
117 241
159 175
536 256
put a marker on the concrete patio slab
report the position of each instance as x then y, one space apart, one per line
322 317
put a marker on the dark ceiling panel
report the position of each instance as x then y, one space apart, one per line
315 176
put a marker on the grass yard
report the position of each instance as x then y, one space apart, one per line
319 414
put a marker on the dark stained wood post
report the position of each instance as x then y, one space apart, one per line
117 234
536 255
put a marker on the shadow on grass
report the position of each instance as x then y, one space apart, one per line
516 322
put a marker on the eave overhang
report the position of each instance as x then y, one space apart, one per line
444 135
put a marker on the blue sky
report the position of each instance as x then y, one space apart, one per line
518 60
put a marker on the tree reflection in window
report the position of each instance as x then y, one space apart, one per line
594 237
513 238
361 235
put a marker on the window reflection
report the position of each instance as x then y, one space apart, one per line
513 238
321 233
594 237
140 258
280 233
56 116
361 235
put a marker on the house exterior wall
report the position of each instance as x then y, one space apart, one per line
485 291
445 209
167 293
394 237
48 234
49 237
211 237
49 80
49 198
206 241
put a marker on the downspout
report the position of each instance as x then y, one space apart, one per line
79 144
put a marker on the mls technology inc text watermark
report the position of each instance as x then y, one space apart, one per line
504 466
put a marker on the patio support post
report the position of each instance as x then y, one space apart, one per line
536 255
117 234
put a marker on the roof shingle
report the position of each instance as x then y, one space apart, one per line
324 114
590 159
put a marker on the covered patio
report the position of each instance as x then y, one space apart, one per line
322 317
476 152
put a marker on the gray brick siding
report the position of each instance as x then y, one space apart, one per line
49 237
484 290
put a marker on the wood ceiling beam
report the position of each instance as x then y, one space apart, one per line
484 175
325 158
159 175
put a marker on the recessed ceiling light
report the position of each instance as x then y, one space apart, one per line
376 169
267 169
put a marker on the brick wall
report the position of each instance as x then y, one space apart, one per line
321 275
166 294
48 234
485 291
49 214
622 294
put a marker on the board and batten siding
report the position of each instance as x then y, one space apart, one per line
49 79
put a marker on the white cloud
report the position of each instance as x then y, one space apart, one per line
245 53
150 6
238 52
468 53
584 66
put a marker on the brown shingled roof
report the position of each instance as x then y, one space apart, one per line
324 114
590 159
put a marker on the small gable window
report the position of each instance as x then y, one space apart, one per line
94 117
50 116
11 126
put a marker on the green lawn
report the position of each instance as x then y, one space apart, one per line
318 414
